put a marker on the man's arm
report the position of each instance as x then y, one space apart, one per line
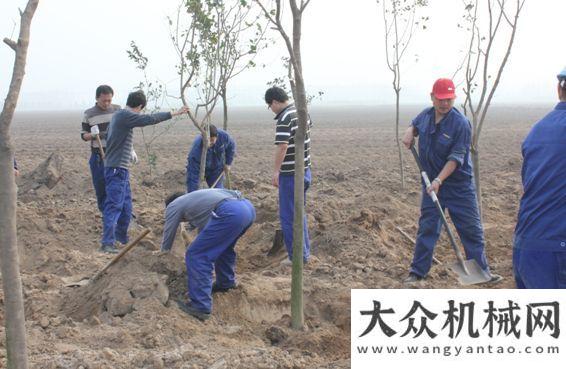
409 136
172 221
280 151
85 130
142 120
446 171
462 141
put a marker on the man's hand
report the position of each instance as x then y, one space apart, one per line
434 186
16 173
226 169
135 159
183 110
94 131
409 137
275 179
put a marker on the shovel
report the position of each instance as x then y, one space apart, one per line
217 180
87 281
277 243
100 146
468 271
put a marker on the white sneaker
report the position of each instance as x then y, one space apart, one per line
286 262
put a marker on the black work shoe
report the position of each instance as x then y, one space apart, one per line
108 249
412 278
187 308
216 289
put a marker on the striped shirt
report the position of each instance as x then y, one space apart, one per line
287 124
121 135
96 116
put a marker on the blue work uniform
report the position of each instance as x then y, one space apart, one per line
539 253
449 140
222 217
220 154
15 164
117 211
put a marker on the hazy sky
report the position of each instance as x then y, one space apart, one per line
78 44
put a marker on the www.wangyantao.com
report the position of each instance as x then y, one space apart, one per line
455 351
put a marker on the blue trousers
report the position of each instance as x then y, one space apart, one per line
213 248
209 177
539 269
117 206
97 171
463 208
287 212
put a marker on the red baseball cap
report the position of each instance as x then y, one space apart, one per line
444 88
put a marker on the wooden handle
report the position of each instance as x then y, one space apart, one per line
122 253
217 180
100 145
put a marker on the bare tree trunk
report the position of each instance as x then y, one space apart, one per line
225 106
16 346
202 171
297 314
224 96
398 140
477 179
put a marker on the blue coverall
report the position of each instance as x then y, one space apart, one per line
214 247
539 253
220 154
450 139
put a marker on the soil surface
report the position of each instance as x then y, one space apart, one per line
357 209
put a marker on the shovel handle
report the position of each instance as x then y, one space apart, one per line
439 207
100 146
121 254
217 180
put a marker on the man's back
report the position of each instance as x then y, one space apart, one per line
543 205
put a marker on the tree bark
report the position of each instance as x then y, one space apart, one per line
16 346
477 179
297 305
224 96
204 131
398 140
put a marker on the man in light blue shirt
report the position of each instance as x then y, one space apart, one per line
539 253
221 217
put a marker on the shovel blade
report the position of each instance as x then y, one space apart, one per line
82 282
277 243
470 273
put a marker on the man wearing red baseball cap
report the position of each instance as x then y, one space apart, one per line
444 149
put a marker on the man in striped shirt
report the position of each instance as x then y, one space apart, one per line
118 205
284 168
94 130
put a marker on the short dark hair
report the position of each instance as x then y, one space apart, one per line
136 99
173 197
104 90
277 94
213 130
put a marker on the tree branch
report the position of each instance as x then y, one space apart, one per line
11 43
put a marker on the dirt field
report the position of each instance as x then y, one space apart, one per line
129 318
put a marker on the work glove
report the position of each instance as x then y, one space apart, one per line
134 158
94 131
